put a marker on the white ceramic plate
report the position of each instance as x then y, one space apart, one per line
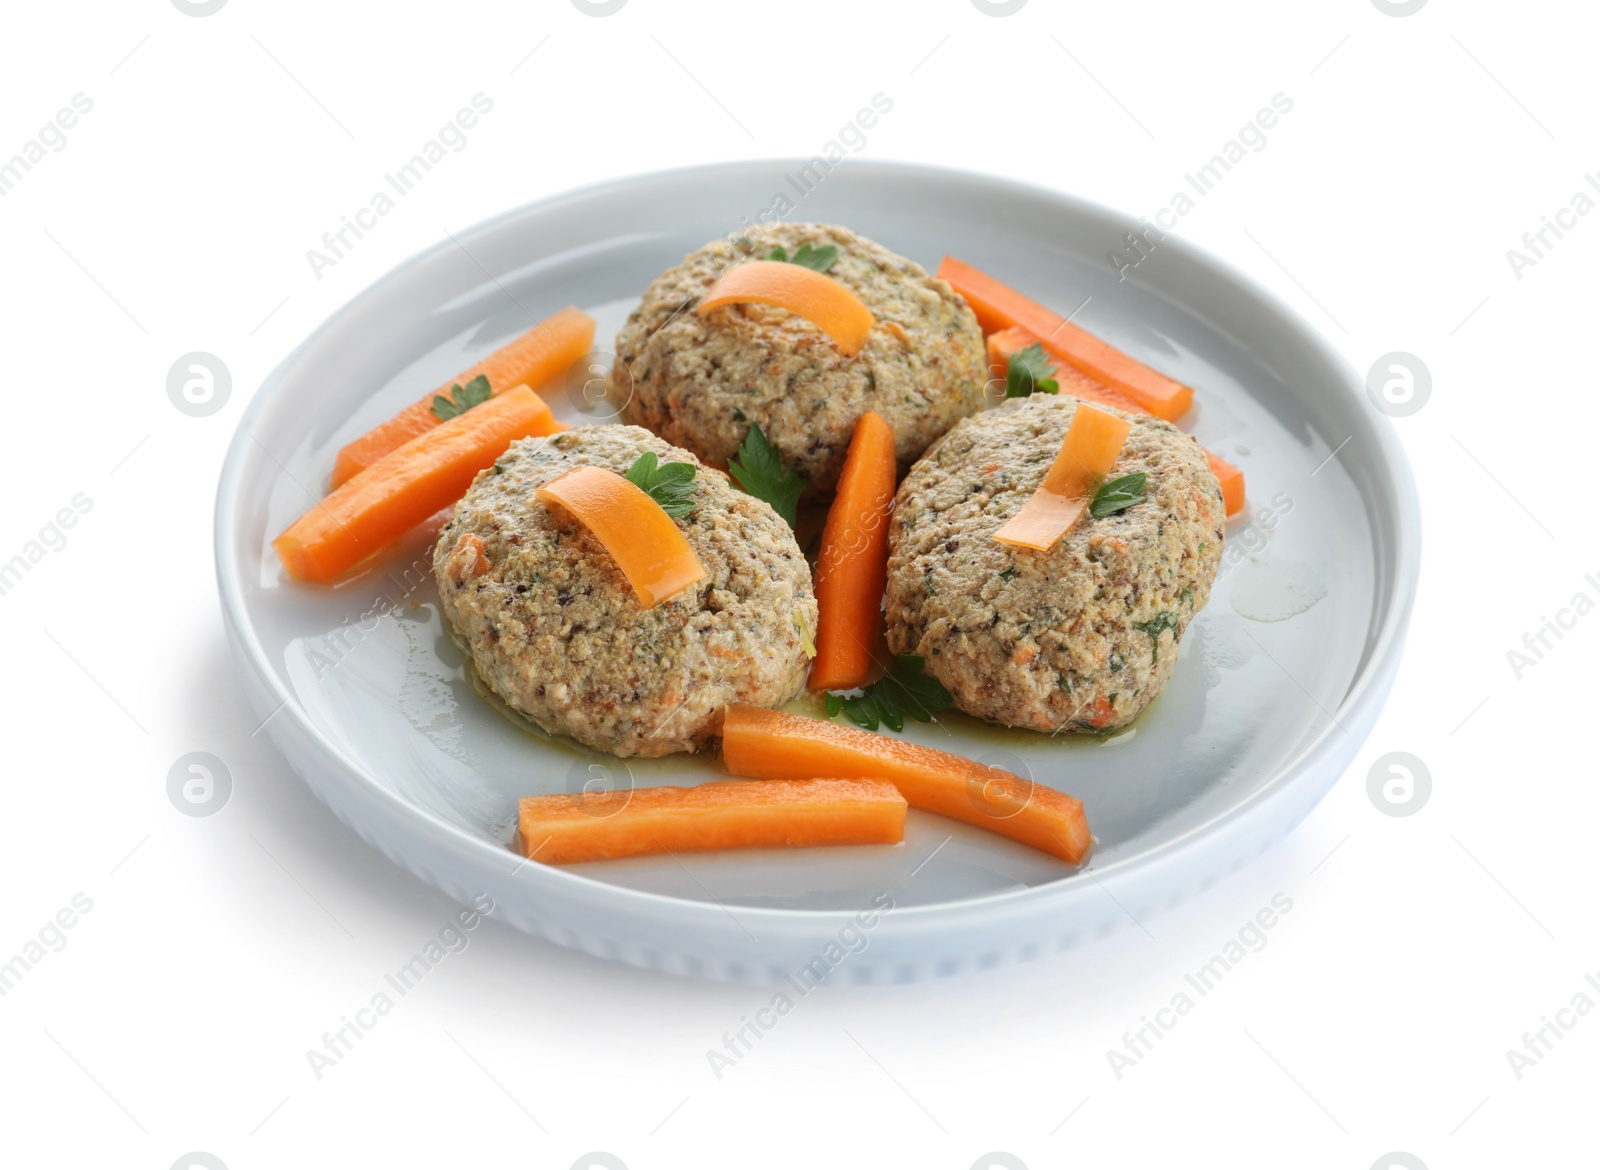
374 710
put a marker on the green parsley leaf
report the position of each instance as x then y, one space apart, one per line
1116 494
817 259
863 711
1165 620
462 398
907 687
670 484
905 690
1028 370
759 470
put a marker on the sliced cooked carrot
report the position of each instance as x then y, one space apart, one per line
544 352
646 543
775 745
470 542
820 299
853 563
1094 440
1071 380
1081 386
999 307
1232 481
405 487
722 814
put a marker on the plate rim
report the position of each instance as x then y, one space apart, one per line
1364 696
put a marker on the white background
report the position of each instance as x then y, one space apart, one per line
218 950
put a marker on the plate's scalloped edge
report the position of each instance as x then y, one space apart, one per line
887 959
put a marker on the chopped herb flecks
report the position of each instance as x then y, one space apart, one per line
1165 620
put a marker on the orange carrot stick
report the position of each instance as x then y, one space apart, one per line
1094 440
775 745
1081 386
722 814
1070 380
544 352
820 299
406 487
853 563
1232 481
999 307
646 543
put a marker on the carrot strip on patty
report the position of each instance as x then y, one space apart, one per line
646 543
1089 451
820 299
